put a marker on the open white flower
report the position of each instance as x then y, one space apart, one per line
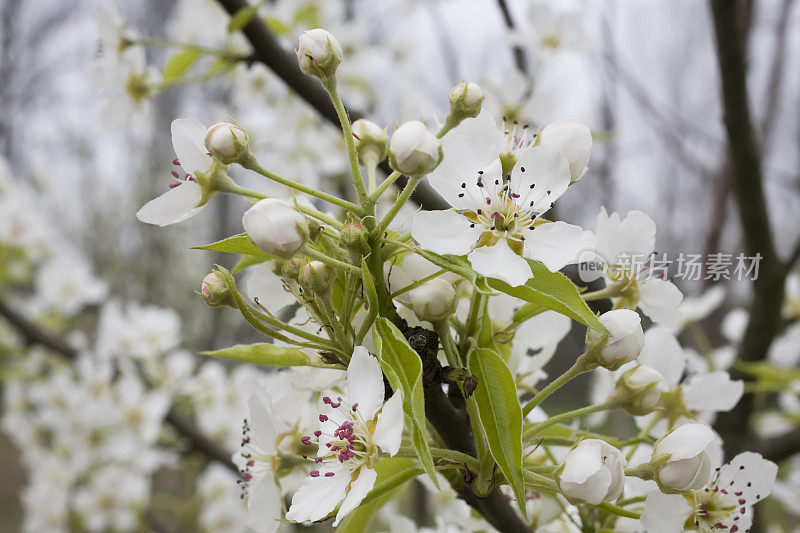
689 465
351 434
184 197
255 462
592 472
497 218
724 504
625 246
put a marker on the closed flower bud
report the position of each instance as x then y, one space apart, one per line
466 100
276 227
413 150
574 140
433 301
290 268
215 291
624 343
353 238
682 458
316 277
226 142
319 53
639 389
372 142
592 472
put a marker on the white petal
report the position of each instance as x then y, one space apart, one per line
636 235
188 135
264 506
758 472
444 232
262 283
575 142
663 352
558 244
715 391
175 205
317 497
547 170
358 491
499 261
665 513
685 441
659 299
389 428
262 425
456 177
365 383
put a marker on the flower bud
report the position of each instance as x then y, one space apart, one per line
290 268
226 142
319 53
276 227
371 141
215 291
434 300
466 100
413 150
574 140
316 277
639 389
682 458
353 238
592 472
624 343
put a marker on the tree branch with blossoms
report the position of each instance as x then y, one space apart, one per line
477 285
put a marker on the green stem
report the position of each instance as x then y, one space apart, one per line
165 43
441 453
398 203
385 185
344 120
328 260
538 480
619 511
448 344
251 164
611 291
569 415
476 304
581 365
417 283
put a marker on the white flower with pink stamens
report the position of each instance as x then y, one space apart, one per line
497 218
185 195
351 434
725 504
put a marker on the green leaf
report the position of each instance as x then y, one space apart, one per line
403 369
500 415
181 62
248 261
527 311
266 354
277 26
235 244
551 290
393 474
242 18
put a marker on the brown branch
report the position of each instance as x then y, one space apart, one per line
34 335
748 191
779 448
520 60
268 51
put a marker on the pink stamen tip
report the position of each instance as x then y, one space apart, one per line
326 400
174 173
176 162
488 201
306 440
355 406
173 185
314 473
247 476
317 433
323 418
318 460
329 474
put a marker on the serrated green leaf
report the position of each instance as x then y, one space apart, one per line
403 369
235 244
500 416
393 474
266 354
551 290
242 18
182 61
